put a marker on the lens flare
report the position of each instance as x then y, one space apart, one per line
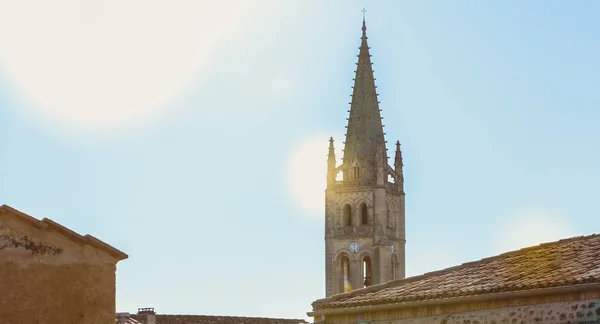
110 62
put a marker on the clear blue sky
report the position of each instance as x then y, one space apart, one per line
169 131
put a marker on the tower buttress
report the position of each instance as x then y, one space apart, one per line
331 164
398 167
398 159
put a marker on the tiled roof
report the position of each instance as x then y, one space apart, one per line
206 319
125 318
567 262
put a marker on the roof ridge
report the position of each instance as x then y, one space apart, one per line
544 244
65 231
504 254
232 316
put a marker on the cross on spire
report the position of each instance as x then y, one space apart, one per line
364 11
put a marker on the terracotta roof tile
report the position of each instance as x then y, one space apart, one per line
206 319
566 262
125 318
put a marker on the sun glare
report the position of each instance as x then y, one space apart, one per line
109 62
307 174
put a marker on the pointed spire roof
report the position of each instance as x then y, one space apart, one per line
331 153
398 158
365 130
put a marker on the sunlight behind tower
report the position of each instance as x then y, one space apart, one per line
307 174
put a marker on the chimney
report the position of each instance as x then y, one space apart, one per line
148 315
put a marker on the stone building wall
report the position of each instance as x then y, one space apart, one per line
48 294
574 312
50 276
567 309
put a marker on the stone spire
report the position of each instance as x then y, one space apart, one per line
398 167
365 130
398 159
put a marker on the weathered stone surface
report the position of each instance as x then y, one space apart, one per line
572 312
367 206
52 275
574 308
44 293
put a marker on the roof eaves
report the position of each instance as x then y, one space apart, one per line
458 299
118 254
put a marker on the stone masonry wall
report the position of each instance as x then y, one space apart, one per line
51 294
585 311
573 312
46 278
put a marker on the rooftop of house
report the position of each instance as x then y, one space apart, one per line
140 318
572 262
71 235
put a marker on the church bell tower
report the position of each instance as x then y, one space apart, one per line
364 210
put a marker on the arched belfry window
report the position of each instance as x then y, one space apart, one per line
347 215
345 271
394 262
364 214
367 271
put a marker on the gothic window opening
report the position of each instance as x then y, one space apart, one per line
347 215
345 284
393 267
392 214
356 172
391 179
388 217
367 271
364 214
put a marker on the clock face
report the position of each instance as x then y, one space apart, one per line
354 247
